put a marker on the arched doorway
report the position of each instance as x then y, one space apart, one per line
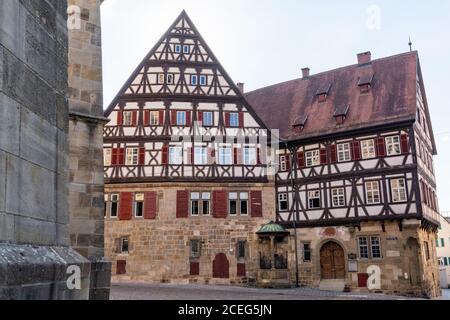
221 267
332 261
412 261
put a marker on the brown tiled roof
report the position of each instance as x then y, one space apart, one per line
392 98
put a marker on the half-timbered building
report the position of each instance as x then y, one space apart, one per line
189 193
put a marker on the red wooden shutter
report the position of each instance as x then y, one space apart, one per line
241 119
165 155
146 117
194 269
356 150
301 159
188 118
142 156
256 204
288 162
161 117
190 155
211 155
134 118
241 270
381 148
404 143
333 153
126 206
323 156
200 116
114 157
150 205
227 119
121 156
220 204
237 155
258 157
173 118
119 118
182 204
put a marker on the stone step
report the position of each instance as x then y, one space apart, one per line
332 285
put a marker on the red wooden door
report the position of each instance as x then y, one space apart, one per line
332 261
121 267
221 267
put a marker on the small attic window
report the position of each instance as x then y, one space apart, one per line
340 114
299 124
365 83
322 93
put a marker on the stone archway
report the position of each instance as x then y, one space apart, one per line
412 261
221 266
332 261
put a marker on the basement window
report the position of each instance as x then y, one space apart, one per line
195 249
139 205
125 245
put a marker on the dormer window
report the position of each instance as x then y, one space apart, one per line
322 93
299 124
365 83
340 114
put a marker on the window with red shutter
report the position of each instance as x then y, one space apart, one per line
227 119
141 156
121 156
165 155
241 119
256 204
381 147
301 159
146 117
200 116
173 118
134 118
161 117
126 206
150 205
220 204
404 143
333 153
119 118
188 118
114 157
182 204
356 150
323 156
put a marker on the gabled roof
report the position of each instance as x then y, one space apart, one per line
391 98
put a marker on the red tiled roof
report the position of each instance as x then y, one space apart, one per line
392 98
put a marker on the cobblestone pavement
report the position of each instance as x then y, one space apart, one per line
142 291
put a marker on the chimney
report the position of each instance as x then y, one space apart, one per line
240 86
305 72
364 57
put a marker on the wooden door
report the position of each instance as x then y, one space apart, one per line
412 260
221 267
332 261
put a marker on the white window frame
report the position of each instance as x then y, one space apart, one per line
115 198
138 198
371 192
344 152
208 115
393 146
283 197
132 156
176 155
186 49
398 192
128 118
203 80
244 196
225 156
338 197
283 163
369 243
107 156
154 118
250 156
234 119
200 156
312 158
121 245
194 80
368 149
170 76
314 195
177 48
181 118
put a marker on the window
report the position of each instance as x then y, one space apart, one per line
234 119
169 79
178 48
127 118
225 156
200 156
232 205
207 119
238 203
283 163
107 157
175 155
373 192
250 156
132 158
393 145
124 245
437 243
368 149
283 202
194 80
154 118
240 250
161 78
139 205
203 80
195 249
442 243
314 199
369 247
200 203
186 49
243 197
306 252
446 261
338 197
181 118
113 208
343 150
398 188
312 158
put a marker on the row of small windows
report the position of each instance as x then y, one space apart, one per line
344 152
445 261
195 80
440 243
372 191
186 49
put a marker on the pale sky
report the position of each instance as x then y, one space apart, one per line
263 42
